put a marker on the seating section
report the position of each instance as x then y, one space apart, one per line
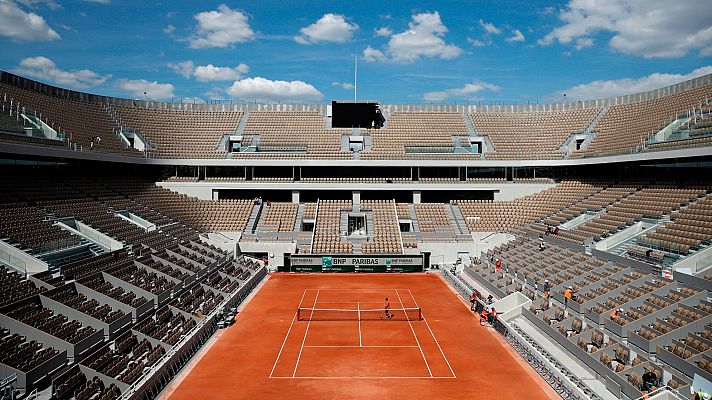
46 320
80 121
69 297
292 134
505 216
20 354
180 134
279 217
433 218
166 325
14 287
530 135
217 215
650 202
595 203
690 228
419 135
74 384
127 361
27 227
327 232
626 127
386 236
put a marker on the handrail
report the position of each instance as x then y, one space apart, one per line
316 215
400 235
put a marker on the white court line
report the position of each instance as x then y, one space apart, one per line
286 336
301 349
352 289
434 338
416 338
364 377
356 347
358 306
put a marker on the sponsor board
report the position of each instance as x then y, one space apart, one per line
356 263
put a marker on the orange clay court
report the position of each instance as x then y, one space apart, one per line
353 353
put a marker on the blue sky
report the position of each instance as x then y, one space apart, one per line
448 50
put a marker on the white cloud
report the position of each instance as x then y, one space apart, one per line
183 68
648 28
477 42
264 89
370 54
169 29
517 36
582 43
53 5
221 28
99 1
464 92
383 31
141 87
45 69
210 73
490 28
423 38
618 87
343 85
192 100
215 94
329 28
20 25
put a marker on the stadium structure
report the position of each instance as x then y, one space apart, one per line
132 232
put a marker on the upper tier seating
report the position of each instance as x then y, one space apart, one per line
80 121
505 216
293 134
530 135
429 135
626 127
180 134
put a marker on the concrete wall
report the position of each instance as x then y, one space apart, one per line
20 260
201 191
518 190
275 250
446 252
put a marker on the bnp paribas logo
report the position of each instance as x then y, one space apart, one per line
327 261
388 261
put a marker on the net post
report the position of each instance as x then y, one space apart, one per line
420 314
299 314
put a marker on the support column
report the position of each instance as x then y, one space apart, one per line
416 196
356 197
295 196
216 194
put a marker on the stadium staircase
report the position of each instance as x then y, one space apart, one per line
255 217
300 218
122 131
457 219
590 129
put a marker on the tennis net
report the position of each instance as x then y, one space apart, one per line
375 314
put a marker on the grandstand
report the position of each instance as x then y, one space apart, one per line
121 257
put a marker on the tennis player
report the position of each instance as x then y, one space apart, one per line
386 309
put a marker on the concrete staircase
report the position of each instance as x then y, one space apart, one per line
414 220
457 218
254 218
300 218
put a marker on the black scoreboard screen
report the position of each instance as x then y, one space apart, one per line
355 114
